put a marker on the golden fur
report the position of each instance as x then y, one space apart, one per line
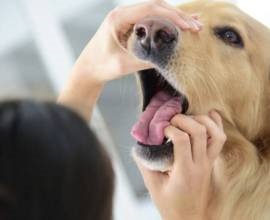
236 82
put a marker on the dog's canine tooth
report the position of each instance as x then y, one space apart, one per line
169 140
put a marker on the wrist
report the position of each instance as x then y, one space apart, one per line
87 73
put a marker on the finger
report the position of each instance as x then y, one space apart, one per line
133 64
173 15
125 62
216 146
216 134
193 23
182 15
216 118
181 146
139 66
194 26
219 139
198 135
211 126
195 16
198 24
124 17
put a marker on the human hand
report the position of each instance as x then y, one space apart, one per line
106 58
183 192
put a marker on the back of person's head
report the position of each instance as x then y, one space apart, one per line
51 165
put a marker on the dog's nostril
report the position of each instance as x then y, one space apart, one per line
154 39
141 32
164 37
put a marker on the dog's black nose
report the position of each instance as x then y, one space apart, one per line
155 33
155 39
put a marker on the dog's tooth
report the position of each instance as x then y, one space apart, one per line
169 140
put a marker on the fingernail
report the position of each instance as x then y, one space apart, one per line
185 25
199 23
190 23
196 26
193 25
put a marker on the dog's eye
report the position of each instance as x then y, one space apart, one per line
229 36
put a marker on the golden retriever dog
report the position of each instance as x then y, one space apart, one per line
226 67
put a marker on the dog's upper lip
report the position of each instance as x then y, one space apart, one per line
150 78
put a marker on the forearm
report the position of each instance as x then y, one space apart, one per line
81 92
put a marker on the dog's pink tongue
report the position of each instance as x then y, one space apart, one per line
149 129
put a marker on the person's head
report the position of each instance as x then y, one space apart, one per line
51 165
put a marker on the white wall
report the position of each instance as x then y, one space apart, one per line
13 26
259 9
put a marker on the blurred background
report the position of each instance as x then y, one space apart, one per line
39 42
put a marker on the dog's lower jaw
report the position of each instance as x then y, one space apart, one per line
162 165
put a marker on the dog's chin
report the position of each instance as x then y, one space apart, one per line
157 160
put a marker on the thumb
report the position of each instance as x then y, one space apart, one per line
134 63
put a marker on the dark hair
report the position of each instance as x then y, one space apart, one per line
51 165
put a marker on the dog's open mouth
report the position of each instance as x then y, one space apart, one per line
161 102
